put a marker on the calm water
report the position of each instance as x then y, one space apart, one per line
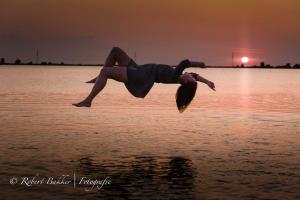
241 142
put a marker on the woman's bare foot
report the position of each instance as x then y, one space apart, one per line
92 81
82 104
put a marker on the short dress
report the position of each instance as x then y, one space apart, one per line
141 78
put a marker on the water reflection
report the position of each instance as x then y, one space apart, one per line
138 177
243 140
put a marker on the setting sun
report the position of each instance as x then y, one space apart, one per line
245 59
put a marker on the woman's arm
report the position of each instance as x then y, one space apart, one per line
204 80
197 64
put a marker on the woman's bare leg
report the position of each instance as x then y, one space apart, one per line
108 71
116 55
116 73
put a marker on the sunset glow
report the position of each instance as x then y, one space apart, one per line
84 31
245 59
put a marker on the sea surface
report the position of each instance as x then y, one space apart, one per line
240 142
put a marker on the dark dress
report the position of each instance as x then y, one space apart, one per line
141 78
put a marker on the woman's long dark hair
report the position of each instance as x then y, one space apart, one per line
185 94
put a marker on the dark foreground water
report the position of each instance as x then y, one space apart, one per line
241 142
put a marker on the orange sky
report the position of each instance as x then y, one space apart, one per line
158 30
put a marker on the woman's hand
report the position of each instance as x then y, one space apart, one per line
211 85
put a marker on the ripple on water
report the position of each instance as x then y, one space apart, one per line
232 144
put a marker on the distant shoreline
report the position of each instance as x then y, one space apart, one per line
101 65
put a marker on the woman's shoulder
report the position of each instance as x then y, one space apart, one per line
181 66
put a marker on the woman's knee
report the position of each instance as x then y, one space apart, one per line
116 51
116 48
120 56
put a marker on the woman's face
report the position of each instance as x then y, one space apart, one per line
187 77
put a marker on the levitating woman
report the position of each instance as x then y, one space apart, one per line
139 79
